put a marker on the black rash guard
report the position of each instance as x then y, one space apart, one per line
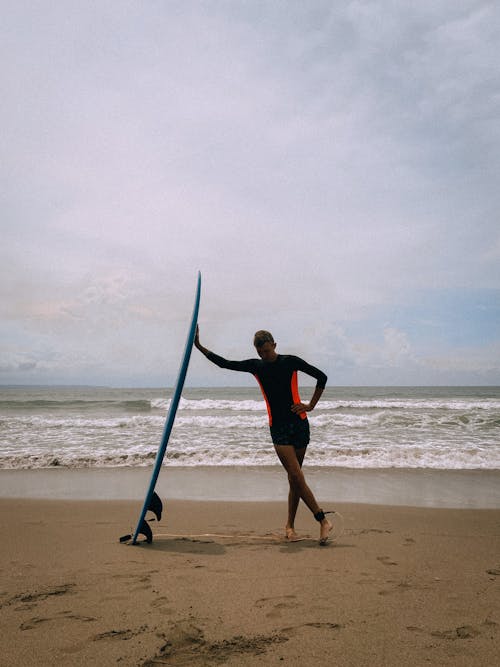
278 382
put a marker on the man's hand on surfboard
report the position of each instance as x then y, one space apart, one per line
197 343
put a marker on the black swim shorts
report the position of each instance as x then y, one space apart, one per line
294 433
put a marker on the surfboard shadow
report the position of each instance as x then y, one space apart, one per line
187 546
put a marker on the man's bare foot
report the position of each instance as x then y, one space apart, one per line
324 532
291 535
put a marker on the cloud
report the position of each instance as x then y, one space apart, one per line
321 165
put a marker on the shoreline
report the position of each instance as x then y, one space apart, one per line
401 586
472 489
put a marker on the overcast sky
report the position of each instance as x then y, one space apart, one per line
332 168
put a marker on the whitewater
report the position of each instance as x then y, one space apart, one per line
445 428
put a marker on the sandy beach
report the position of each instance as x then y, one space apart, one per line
219 585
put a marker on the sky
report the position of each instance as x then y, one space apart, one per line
331 168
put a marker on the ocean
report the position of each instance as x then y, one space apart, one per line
377 428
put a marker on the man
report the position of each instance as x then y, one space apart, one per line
277 377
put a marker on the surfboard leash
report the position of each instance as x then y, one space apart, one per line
337 532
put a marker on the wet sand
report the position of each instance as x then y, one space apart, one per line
474 489
220 586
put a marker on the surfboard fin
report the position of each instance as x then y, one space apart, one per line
156 506
146 531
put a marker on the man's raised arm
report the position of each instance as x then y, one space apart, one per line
245 366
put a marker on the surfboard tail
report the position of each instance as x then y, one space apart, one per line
155 506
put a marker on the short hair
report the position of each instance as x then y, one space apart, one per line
261 337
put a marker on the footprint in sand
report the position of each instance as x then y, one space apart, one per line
293 630
160 602
365 531
277 604
276 611
386 560
32 623
124 634
263 601
185 644
136 582
400 587
161 606
30 600
462 632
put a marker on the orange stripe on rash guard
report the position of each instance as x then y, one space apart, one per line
267 402
295 393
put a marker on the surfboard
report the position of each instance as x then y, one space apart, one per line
152 501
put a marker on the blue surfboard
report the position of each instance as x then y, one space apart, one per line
152 501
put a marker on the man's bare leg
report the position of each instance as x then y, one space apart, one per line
299 488
293 501
324 530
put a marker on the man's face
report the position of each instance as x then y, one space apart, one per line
267 351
